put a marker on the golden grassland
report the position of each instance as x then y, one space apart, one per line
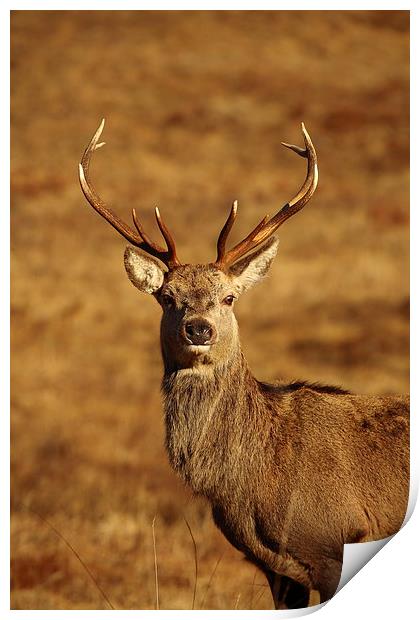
196 104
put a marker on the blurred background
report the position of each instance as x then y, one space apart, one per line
196 105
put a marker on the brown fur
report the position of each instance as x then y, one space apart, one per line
292 471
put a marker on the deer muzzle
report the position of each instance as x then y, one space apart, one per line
199 332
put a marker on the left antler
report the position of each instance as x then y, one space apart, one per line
141 240
268 226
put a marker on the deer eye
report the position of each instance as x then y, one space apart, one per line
229 300
168 301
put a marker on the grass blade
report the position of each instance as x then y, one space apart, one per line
196 562
156 563
75 553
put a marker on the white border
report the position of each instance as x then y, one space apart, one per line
386 586
25 5
5 314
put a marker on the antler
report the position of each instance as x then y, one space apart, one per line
141 240
268 226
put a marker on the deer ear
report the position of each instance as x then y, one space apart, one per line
143 271
250 269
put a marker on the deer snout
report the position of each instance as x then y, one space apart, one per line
199 332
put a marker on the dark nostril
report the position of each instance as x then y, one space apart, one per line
198 332
198 328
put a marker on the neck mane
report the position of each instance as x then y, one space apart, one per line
209 415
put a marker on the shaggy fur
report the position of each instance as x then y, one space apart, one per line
294 474
292 471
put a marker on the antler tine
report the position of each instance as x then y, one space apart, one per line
144 236
224 233
228 258
267 226
141 240
311 181
166 256
170 243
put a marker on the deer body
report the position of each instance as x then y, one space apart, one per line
252 452
292 471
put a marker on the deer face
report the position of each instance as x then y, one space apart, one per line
198 324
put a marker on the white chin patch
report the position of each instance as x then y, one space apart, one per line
198 349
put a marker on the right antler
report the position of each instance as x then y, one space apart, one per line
141 240
268 226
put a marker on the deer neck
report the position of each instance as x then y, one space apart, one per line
207 414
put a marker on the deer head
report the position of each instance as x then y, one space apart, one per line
198 325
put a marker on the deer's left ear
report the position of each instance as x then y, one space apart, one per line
143 271
250 269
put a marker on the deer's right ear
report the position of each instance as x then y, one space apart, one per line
144 272
253 267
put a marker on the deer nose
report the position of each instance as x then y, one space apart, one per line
198 331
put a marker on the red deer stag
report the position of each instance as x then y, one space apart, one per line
292 471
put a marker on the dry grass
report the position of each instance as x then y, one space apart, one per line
197 104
